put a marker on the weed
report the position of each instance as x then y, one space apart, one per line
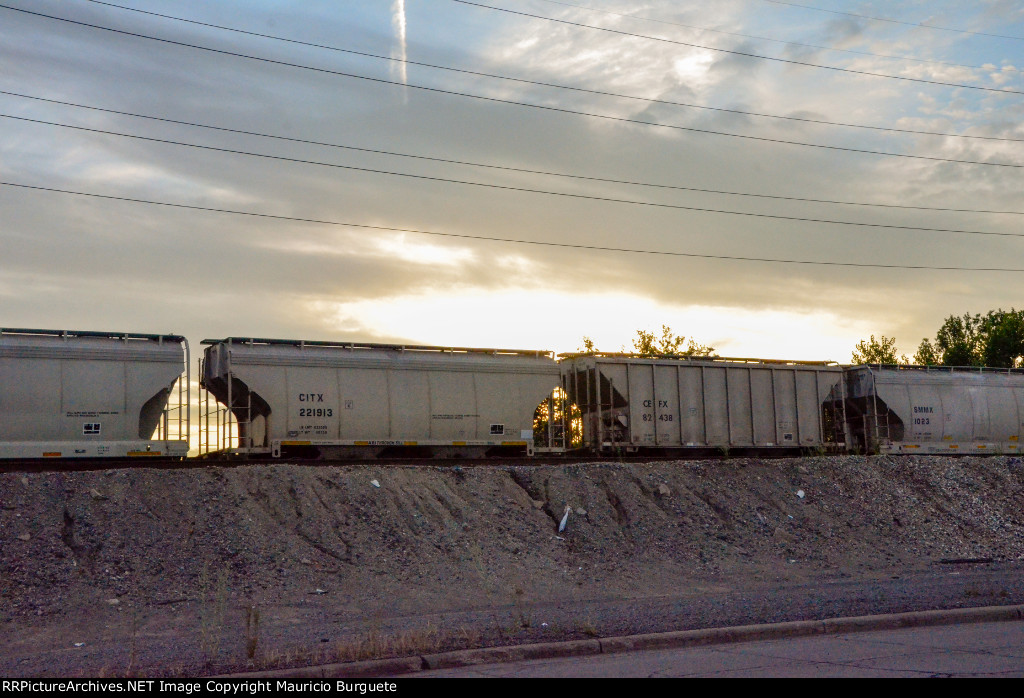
212 608
521 614
588 626
467 637
376 644
252 631
132 653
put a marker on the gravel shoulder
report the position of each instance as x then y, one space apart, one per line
194 571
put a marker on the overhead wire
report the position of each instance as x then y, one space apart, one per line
919 25
505 187
724 257
497 100
788 42
543 243
540 83
506 168
746 54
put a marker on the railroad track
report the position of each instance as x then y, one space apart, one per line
83 465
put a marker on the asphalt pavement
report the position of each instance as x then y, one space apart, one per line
971 650
973 642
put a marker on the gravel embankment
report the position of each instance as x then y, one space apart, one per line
163 572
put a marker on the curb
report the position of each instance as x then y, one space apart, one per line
631 643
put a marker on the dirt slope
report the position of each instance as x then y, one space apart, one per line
156 571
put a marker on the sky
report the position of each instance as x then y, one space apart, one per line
402 159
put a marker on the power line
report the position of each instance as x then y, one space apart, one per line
920 25
513 102
504 187
511 240
752 36
790 61
507 168
538 83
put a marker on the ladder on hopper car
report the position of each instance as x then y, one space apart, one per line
840 436
552 426
221 430
875 419
175 422
881 432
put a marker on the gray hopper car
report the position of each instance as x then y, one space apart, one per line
332 399
96 394
935 409
70 394
689 405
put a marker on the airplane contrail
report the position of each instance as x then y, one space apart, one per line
398 22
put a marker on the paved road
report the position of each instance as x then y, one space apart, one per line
969 650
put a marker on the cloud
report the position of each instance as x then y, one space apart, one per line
69 260
382 245
514 317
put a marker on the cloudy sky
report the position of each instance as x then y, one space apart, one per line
304 182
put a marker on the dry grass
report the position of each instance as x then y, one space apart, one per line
252 631
377 644
373 644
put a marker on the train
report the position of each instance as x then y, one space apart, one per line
121 395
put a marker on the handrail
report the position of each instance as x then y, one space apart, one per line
370 345
684 357
940 369
89 333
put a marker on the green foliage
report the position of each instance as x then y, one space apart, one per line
995 339
959 341
646 344
926 354
564 416
669 344
877 351
1003 333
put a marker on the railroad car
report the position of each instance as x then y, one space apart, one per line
331 399
934 409
684 404
66 394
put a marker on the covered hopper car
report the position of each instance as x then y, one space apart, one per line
689 405
123 395
70 394
933 409
332 399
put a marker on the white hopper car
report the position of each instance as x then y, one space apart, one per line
67 394
97 394
331 399
934 409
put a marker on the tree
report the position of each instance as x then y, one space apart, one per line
995 339
1002 335
645 344
880 351
926 354
564 416
960 341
